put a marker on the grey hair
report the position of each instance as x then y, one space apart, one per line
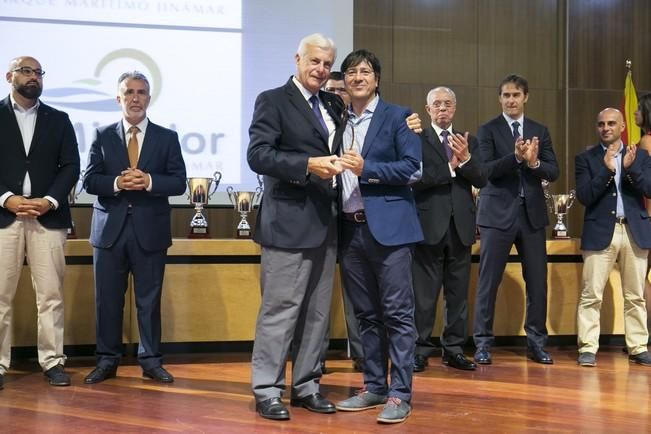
449 91
133 75
318 40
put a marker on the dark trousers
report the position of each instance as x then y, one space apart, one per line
494 254
352 330
379 283
445 264
112 267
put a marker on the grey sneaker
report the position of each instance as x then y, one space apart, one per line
395 411
587 359
363 400
641 359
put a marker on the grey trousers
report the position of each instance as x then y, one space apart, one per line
296 289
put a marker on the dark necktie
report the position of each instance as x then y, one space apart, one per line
446 143
132 147
317 112
516 129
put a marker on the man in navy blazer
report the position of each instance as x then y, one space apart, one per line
39 164
133 167
518 154
292 145
612 180
381 156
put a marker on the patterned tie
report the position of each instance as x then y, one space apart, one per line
446 143
317 112
516 131
132 147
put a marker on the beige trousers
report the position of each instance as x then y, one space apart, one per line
597 266
44 251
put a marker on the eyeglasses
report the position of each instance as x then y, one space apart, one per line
26 70
364 72
335 89
439 104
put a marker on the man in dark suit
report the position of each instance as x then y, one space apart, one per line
134 165
446 210
380 225
292 145
39 164
517 153
611 182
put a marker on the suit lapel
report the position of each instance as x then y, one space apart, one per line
504 129
12 124
434 141
148 145
41 126
121 145
303 107
374 128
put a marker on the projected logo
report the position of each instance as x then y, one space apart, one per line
88 93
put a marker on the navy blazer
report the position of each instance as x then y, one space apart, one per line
161 157
596 190
296 208
499 202
439 196
53 162
392 155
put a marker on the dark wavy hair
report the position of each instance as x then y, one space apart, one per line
359 56
644 106
519 81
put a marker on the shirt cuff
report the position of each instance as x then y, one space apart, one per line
4 198
464 162
116 189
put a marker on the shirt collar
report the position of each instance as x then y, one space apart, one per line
306 93
619 150
510 120
438 130
20 108
142 125
370 108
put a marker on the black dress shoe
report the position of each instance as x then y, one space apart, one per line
483 356
539 355
158 374
57 377
98 375
272 408
315 402
458 361
420 362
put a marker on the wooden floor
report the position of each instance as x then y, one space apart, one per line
212 394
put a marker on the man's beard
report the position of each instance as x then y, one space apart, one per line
29 91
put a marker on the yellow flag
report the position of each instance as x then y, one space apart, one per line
632 134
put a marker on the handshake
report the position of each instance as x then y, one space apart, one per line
329 166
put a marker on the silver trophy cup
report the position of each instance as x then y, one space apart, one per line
244 202
475 197
200 190
559 204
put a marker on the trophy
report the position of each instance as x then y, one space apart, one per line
559 204
199 192
75 191
244 202
475 198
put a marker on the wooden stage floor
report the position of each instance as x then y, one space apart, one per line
212 394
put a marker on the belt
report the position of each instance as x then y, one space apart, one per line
358 217
621 220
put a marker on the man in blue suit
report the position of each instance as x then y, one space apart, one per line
380 226
611 182
133 167
518 154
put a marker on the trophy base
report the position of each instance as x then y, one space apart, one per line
199 232
244 233
560 234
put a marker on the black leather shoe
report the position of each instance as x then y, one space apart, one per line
158 374
57 377
539 355
272 408
458 361
315 402
420 362
358 364
483 356
98 375
2 381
